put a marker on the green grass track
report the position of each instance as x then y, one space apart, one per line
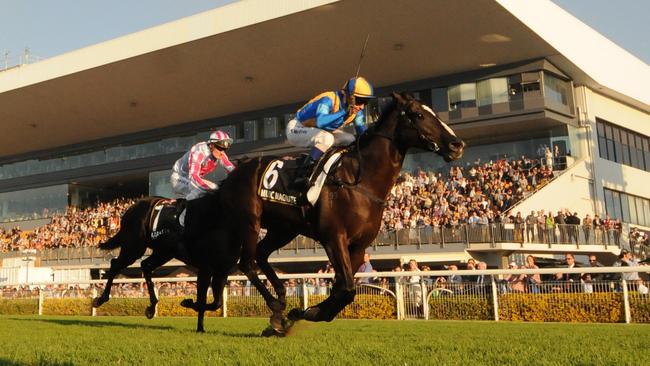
48 340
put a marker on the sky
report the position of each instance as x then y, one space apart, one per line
53 27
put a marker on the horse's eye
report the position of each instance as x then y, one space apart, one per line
419 115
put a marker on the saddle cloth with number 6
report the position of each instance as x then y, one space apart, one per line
276 183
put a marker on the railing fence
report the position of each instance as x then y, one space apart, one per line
614 295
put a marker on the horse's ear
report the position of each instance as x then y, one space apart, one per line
399 98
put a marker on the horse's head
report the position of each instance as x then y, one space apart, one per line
420 127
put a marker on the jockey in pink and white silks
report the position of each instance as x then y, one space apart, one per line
318 124
188 172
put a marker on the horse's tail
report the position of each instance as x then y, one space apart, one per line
116 240
112 243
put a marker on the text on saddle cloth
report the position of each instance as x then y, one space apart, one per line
164 218
276 184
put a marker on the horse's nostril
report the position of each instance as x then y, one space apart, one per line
456 146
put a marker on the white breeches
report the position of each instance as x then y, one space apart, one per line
299 135
185 188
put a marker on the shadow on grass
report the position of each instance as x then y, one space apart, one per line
4 361
225 333
94 323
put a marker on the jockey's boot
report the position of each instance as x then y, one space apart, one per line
181 205
301 182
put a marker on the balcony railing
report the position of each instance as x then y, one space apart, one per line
465 236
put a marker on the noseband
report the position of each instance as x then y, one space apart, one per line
434 145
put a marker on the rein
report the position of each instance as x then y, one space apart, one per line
357 178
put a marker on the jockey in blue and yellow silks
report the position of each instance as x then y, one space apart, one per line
319 123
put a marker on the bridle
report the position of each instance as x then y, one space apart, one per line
432 144
357 179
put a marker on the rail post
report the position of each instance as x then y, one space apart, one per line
399 297
495 299
224 303
41 298
626 302
305 295
93 310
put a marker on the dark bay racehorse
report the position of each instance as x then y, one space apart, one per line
347 216
214 262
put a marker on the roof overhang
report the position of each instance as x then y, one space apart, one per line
257 54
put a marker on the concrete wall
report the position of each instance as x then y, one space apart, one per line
571 190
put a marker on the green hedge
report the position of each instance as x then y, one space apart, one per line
70 306
600 307
461 308
19 306
606 307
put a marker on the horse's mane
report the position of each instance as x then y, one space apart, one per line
383 116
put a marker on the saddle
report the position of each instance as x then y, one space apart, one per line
166 217
277 186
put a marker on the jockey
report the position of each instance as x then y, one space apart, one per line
187 176
188 182
318 124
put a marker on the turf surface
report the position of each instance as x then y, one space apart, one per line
172 341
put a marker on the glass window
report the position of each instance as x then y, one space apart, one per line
249 130
462 96
646 212
492 91
231 130
640 215
270 127
616 202
631 202
609 203
159 184
600 127
555 90
625 208
34 203
439 99
602 147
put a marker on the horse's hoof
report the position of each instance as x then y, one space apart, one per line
271 332
201 330
287 324
296 314
150 312
187 303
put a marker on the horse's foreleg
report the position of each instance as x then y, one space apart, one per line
344 290
148 265
202 283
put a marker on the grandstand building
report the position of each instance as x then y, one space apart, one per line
109 120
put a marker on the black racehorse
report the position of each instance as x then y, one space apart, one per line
138 232
347 216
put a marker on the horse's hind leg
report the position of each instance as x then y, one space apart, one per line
203 281
274 239
218 283
157 259
126 257
247 266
